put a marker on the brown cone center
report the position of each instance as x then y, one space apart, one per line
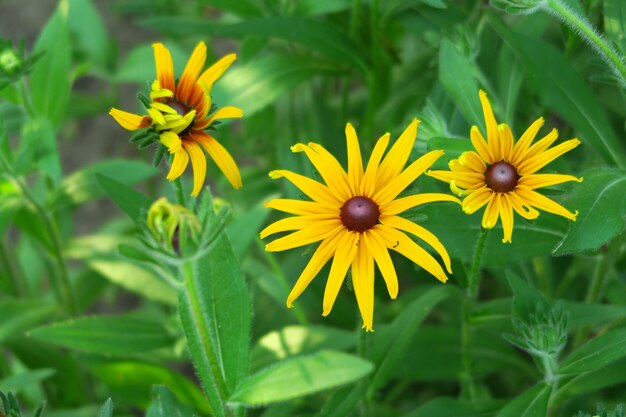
359 214
180 108
501 177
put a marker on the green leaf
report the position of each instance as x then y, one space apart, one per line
448 407
214 308
301 376
601 205
133 381
390 344
22 380
19 316
456 76
10 203
180 25
261 82
583 314
317 36
165 404
50 79
107 409
343 401
532 403
81 186
89 31
134 204
608 376
106 335
243 231
241 8
565 92
596 353
319 7
38 146
615 22
453 147
138 65
526 299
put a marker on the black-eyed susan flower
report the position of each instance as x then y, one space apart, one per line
355 215
502 173
180 112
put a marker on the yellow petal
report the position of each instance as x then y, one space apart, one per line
305 236
490 216
156 116
227 112
472 162
129 121
171 141
534 181
377 248
216 70
506 142
328 167
322 255
191 72
544 203
506 214
535 163
296 223
402 244
162 107
480 145
522 145
181 159
363 284
164 66
493 139
368 185
541 145
346 250
521 207
420 232
402 204
398 155
299 207
220 156
355 163
477 199
198 163
315 190
399 183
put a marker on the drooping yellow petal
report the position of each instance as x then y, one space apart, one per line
346 250
521 207
477 199
164 66
305 236
402 204
377 248
198 163
355 163
506 214
328 167
129 121
506 142
534 181
296 223
191 72
522 145
420 232
211 74
491 213
220 156
471 161
322 255
544 203
156 116
541 145
227 112
402 244
363 284
181 160
535 163
162 107
399 183
299 207
493 138
398 155
171 141
368 185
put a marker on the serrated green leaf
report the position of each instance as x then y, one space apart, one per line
107 409
301 376
261 82
50 79
565 92
390 344
596 353
459 82
532 403
82 186
214 308
106 335
601 205
134 204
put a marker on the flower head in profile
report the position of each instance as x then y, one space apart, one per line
502 174
180 113
355 217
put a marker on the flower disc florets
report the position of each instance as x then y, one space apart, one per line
359 214
501 177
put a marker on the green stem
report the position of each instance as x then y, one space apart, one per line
180 195
26 101
9 260
581 25
473 284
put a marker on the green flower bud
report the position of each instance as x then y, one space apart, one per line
165 221
9 61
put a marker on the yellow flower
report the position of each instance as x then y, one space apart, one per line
179 112
355 216
502 174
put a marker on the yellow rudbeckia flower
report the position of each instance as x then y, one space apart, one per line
355 215
179 111
502 173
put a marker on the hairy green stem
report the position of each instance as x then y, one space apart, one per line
581 25
180 195
473 285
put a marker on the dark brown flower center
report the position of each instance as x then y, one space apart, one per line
359 214
181 109
501 177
